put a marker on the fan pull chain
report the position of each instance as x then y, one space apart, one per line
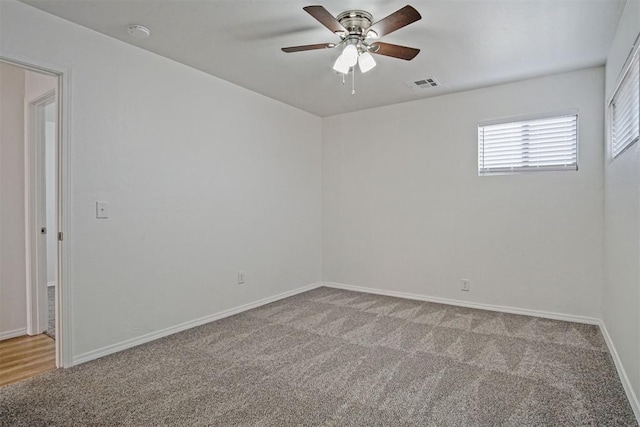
343 80
353 81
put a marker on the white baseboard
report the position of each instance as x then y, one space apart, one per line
133 342
624 379
459 303
13 334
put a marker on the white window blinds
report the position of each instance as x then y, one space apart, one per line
625 110
547 143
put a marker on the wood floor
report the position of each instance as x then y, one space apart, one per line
25 357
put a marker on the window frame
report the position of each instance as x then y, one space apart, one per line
525 118
632 59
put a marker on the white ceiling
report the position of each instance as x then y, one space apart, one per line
464 43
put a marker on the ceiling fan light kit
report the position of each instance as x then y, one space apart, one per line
341 65
350 55
356 31
366 62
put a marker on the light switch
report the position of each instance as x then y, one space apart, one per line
102 210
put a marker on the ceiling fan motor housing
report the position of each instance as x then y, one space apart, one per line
355 21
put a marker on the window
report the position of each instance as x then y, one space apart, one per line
539 144
624 109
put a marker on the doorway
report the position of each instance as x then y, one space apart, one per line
31 280
41 120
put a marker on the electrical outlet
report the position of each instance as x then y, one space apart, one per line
240 277
465 285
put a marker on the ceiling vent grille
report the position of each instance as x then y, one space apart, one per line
427 83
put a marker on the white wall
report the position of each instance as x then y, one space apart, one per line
13 290
37 84
203 179
405 210
621 308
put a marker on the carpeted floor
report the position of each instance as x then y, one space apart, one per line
51 312
333 357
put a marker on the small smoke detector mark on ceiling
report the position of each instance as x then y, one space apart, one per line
427 83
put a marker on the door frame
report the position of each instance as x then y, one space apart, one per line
37 293
64 336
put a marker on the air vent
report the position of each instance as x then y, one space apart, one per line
427 83
430 82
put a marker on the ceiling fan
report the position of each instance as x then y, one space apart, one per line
359 36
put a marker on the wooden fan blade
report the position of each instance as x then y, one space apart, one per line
398 19
325 18
308 47
393 50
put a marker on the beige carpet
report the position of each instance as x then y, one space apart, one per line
333 357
